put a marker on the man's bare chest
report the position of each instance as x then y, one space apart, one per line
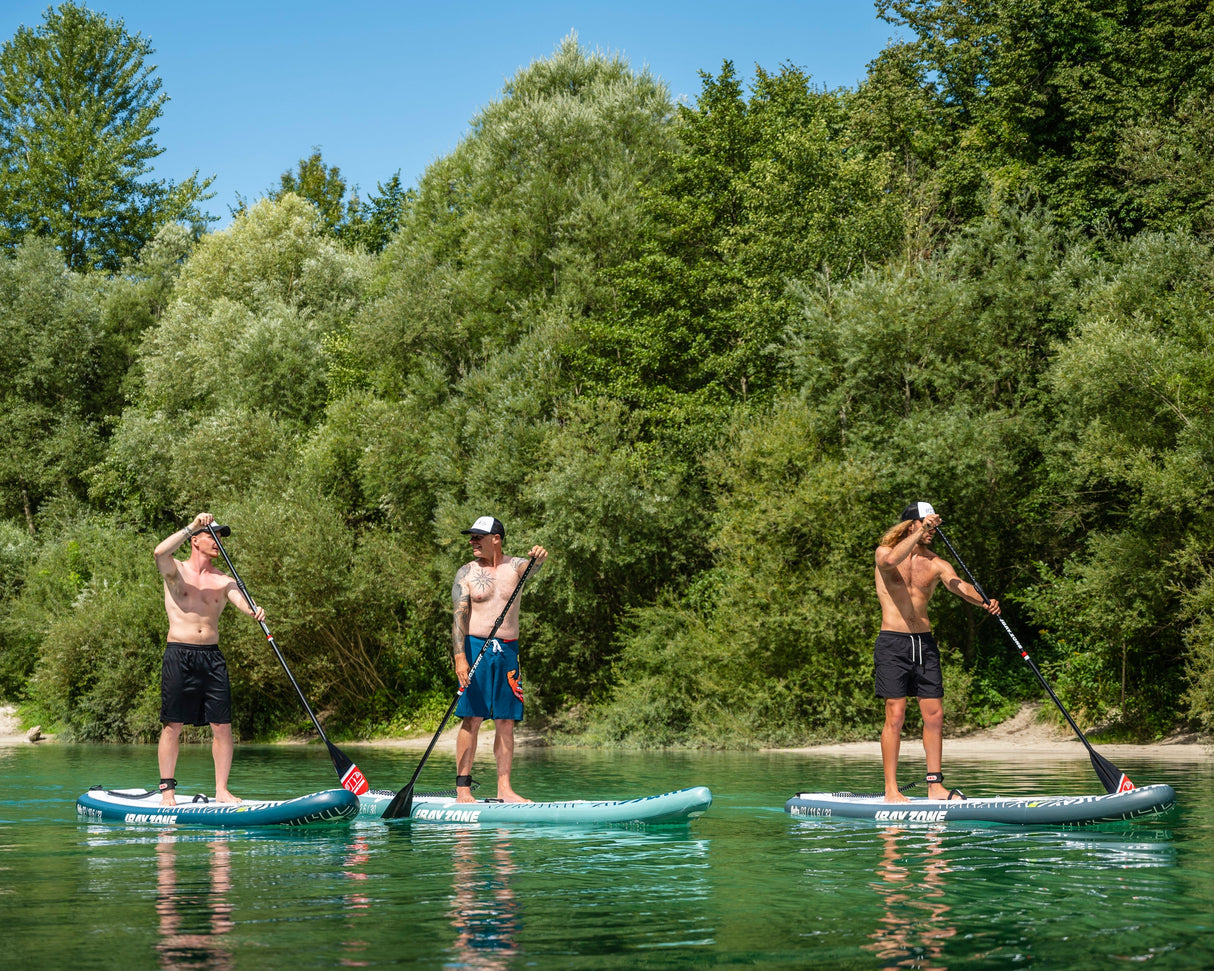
919 575
204 588
490 585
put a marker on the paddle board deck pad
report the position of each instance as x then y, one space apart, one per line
1016 810
667 809
143 806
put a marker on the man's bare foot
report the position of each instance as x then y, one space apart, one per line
464 794
168 799
224 796
895 796
511 796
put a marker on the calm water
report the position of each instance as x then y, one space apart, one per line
744 886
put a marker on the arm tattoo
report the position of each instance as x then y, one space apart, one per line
461 603
520 564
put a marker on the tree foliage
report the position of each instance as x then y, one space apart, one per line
1061 97
704 354
78 112
50 380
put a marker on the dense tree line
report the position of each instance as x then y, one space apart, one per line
702 352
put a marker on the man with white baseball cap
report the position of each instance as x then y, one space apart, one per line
906 660
481 591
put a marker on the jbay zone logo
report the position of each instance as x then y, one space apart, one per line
911 815
449 815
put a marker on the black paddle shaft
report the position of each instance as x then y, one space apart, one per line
402 802
350 775
1113 779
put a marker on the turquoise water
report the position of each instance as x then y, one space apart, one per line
745 886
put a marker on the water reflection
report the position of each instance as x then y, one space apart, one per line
357 903
194 918
484 909
916 922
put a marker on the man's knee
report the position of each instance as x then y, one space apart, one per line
932 710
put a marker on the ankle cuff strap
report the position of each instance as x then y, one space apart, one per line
935 777
463 781
168 784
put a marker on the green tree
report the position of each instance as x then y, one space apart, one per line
1065 97
365 225
323 186
50 380
1129 486
235 365
78 112
525 215
373 224
762 191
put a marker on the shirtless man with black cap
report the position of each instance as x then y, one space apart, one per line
194 687
906 660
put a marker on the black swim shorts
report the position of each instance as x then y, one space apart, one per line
907 666
194 686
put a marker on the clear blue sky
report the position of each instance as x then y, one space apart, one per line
387 86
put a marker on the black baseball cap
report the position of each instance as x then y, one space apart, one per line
917 510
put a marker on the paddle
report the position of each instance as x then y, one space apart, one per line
1113 779
402 803
350 775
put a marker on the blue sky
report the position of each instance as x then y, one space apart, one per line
382 86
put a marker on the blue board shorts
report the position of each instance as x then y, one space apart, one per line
907 666
496 688
194 685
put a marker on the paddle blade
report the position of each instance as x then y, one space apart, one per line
401 805
351 775
1113 779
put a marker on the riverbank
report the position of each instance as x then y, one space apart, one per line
11 731
1026 732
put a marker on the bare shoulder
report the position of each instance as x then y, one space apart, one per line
938 563
881 556
170 568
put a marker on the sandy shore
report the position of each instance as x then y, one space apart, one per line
11 732
1024 733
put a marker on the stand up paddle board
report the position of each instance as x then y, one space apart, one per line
143 806
1016 810
667 809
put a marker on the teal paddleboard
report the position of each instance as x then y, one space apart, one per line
141 806
666 809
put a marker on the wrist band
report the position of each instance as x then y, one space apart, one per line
168 784
463 782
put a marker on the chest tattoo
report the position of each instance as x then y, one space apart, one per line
481 580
